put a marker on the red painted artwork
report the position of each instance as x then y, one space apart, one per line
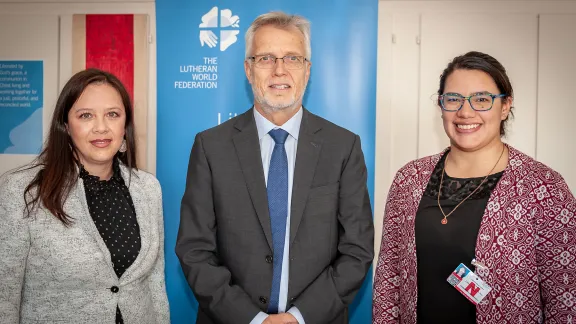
110 46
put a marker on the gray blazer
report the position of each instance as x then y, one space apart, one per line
225 241
54 274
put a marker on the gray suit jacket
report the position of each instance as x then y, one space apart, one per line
225 241
54 274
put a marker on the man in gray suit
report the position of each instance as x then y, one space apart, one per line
276 224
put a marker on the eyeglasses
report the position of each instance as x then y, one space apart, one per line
291 62
478 101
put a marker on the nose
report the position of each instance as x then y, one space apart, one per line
279 68
466 111
100 125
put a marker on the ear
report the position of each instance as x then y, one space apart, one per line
506 107
248 70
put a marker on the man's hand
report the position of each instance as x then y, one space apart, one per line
284 318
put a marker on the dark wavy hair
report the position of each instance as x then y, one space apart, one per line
486 63
58 161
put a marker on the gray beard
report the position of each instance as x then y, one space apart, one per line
269 108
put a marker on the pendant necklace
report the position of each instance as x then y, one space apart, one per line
445 219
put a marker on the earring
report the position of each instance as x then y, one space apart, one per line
122 147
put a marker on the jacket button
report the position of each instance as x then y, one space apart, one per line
292 299
269 259
114 289
263 300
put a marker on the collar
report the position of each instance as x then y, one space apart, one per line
116 173
292 126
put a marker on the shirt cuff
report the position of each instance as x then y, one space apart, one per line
296 313
259 318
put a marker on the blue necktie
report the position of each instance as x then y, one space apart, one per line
277 189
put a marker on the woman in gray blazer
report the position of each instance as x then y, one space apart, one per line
81 228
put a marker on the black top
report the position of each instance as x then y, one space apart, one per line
111 207
441 248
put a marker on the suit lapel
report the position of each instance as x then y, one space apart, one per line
248 150
143 216
87 224
308 152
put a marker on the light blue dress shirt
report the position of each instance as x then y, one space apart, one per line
292 126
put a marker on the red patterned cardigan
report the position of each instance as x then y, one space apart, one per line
527 241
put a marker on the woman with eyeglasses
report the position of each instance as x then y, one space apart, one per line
480 203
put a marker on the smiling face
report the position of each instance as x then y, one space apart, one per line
471 130
277 88
96 124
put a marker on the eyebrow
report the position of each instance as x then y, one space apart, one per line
92 109
286 54
472 94
481 93
294 54
83 109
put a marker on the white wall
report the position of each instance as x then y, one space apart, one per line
31 37
535 42
62 11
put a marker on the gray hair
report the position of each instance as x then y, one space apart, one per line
281 20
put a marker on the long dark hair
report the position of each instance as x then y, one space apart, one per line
58 162
486 63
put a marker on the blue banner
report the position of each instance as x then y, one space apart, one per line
21 101
201 83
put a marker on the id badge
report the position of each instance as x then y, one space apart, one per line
469 284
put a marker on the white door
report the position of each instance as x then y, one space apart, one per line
556 131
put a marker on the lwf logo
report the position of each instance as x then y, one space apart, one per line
219 26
